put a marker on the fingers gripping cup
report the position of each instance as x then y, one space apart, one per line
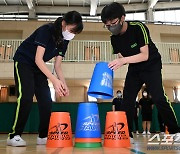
59 133
88 133
101 85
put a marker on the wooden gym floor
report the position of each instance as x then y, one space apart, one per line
140 147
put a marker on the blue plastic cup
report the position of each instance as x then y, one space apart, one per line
101 85
88 124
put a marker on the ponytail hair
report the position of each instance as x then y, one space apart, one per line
58 32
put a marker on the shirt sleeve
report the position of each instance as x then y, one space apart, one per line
142 34
113 102
137 104
43 36
151 102
140 102
62 51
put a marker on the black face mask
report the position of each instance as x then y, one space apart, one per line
115 29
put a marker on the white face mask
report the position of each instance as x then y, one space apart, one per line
119 95
145 94
67 35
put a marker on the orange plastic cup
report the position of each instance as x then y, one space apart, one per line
89 140
60 132
116 130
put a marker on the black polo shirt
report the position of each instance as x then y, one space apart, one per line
117 102
43 36
129 44
146 104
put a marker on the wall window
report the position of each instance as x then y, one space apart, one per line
167 16
135 16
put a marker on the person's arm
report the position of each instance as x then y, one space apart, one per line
58 70
142 35
58 84
113 107
113 104
152 106
137 111
142 56
119 55
140 104
137 108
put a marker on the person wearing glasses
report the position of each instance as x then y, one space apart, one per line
132 42
31 73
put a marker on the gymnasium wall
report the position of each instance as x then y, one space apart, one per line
78 77
92 31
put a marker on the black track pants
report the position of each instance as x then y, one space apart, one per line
30 81
153 81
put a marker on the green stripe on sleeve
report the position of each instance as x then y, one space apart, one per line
143 30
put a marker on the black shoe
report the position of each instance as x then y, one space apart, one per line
131 134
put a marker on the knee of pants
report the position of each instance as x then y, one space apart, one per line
160 101
26 100
46 105
130 102
129 99
44 99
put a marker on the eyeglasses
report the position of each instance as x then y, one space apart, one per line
112 24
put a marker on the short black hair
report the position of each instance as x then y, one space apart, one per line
112 11
118 91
